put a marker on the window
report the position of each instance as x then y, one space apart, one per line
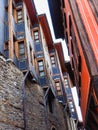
53 61
21 50
36 36
66 83
58 88
41 68
19 16
70 104
72 110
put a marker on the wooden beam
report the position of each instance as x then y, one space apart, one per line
10 42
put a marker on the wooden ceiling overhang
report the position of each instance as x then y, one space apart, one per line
59 49
32 11
46 30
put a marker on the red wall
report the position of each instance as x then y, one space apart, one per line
85 77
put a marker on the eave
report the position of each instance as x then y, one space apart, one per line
59 49
32 11
46 30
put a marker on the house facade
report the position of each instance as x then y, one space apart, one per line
26 41
80 25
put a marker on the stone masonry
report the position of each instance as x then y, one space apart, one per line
30 114
11 108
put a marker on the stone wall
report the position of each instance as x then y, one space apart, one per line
34 107
56 119
18 110
35 110
11 108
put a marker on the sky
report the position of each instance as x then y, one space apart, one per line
42 8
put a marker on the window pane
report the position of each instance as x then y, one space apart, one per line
19 12
36 33
41 68
53 65
71 104
36 36
72 110
19 15
67 86
57 84
37 40
53 61
21 50
40 63
22 56
42 74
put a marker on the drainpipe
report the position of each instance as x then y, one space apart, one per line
23 96
45 108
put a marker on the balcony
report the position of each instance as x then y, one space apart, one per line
38 47
22 64
61 98
43 81
33 72
20 29
55 70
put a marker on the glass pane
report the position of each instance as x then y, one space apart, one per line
53 65
72 110
36 40
42 74
19 17
21 45
21 48
22 56
70 104
40 63
36 33
67 86
21 51
57 84
19 20
52 58
19 12
52 61
41 68
36 37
